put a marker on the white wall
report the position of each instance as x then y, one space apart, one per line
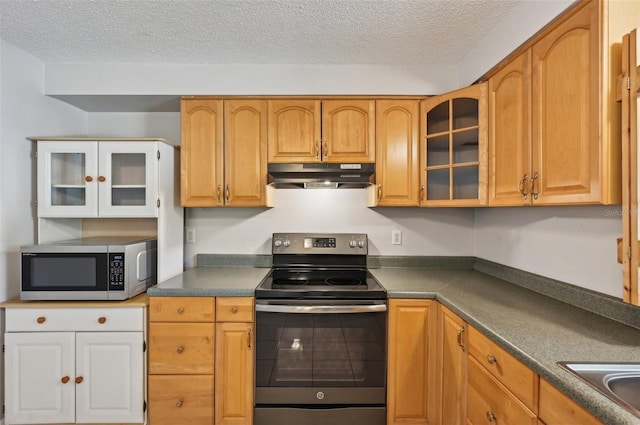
24 111
140 124
248 231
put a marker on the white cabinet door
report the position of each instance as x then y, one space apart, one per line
67 179
110 368
128 179
39 378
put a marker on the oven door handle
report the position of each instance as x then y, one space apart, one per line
322 309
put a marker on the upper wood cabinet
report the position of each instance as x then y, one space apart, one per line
311 130
397 175
554 121
453 150
224 152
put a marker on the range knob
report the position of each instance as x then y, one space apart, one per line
361 244
286 243
353 244
277 243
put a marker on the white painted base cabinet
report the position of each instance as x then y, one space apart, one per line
84 366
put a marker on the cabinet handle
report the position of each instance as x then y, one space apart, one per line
524 194
65 379
459 339
101 179
79 379
379 192
249 338
491 359
534 194
219 193
317 149
325 150
88 179
41 320
227 193
491 417
421 195
180 310
179 403
180 350
102 320
234 309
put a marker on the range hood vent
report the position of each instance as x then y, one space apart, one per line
320 175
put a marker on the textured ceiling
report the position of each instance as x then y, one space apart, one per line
410 32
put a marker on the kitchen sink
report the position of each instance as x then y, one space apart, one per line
620 382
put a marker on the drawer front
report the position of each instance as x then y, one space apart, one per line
558 409
490 403
182 309
518 378
180 399
75 319
181 348
234 309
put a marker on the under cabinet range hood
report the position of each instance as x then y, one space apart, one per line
320 175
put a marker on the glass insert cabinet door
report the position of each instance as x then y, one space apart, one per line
453 151
97 179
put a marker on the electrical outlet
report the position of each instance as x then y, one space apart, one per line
396 237
191 235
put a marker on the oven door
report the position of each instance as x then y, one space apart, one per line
313 354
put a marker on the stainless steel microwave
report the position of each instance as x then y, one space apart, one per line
98 268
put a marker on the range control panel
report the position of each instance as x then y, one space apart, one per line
320 243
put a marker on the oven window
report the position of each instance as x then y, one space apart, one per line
320 350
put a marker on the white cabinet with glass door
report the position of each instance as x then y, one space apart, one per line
97 179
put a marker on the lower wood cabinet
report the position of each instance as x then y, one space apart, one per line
558 409
201 356
452 368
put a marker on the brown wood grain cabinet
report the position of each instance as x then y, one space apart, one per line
452 368
397 175
224 152
453 148
558 409
315 130
411 376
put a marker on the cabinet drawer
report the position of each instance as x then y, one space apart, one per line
558 409
518 378
43 319
177 348
181 400
181 309
234 309
489 402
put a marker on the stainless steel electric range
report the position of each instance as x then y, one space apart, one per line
321 332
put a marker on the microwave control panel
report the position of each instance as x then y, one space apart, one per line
116 271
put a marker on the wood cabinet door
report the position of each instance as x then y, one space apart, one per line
245 152
348 131
510 133
201 154
294 130
234 375
452 381
181 399
411 369
397 175
40 374
109 366
558 409
565 115
181 348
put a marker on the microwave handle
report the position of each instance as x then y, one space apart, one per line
320 309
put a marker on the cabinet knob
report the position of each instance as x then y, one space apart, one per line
491 417
179 403
65 379
180 350
79 379
234 309
88 179
101 179
180 310
491 359
41 319
101 320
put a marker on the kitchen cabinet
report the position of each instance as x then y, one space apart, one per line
555 137
314 130
397 175
558 409
75 364
224 152
97 179
411 377
453 150
452 367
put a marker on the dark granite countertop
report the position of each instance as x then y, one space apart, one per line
535 328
